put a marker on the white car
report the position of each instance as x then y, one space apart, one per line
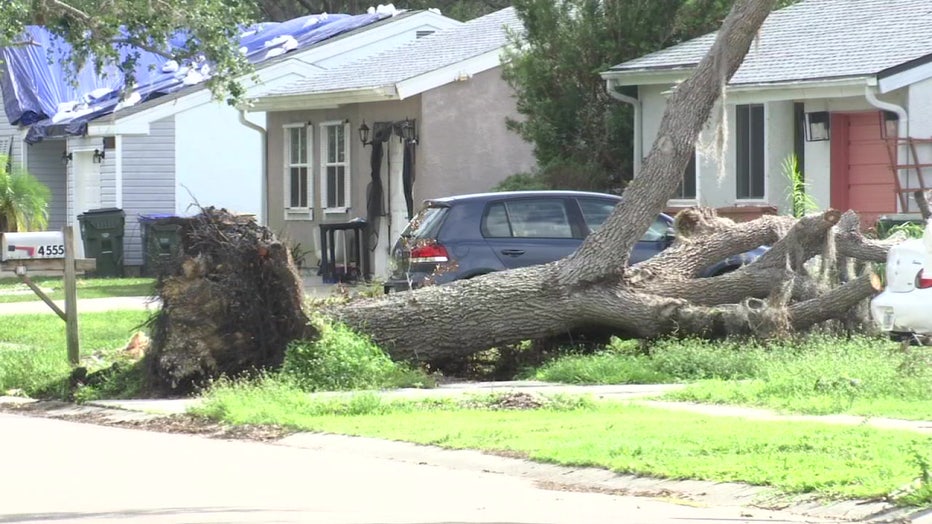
905 306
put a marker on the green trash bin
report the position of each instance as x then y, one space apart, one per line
161 239
102 233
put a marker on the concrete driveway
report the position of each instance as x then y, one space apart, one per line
58 471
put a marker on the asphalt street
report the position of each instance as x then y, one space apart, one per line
56 471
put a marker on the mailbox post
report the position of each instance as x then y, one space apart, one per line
48 250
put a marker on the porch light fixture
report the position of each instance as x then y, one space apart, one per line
99 155
65 158
818 126
889 125
408 132
364 134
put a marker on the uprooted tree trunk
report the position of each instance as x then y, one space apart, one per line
593 288
231 302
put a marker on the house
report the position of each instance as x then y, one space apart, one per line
174 146
373 138
844 85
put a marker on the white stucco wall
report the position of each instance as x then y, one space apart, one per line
218 161
714 188
920 126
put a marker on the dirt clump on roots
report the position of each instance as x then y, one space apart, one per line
231 302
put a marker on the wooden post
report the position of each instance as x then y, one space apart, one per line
71 299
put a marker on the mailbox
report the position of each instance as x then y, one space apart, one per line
30 246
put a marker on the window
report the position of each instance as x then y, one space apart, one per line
595 212
687 189
749 152
334 166
298 178
543 218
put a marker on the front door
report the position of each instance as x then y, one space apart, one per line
86 190
862 178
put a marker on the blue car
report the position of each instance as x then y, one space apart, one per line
461 237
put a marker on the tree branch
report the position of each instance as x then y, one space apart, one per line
71 10
834 303
849 241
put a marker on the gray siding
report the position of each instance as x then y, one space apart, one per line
7 130
148 181
43 160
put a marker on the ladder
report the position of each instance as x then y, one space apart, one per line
912 169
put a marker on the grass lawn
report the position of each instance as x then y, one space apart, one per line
13 290
816 375
832 461
33 351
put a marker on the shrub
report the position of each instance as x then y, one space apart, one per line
341 359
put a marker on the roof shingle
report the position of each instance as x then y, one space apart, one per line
426 54
817 40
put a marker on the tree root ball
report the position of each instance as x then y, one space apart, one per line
231 300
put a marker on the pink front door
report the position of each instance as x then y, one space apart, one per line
862 178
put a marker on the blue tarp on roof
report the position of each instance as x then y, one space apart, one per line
38 93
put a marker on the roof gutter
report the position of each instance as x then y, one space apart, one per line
264 161
870 93
611 85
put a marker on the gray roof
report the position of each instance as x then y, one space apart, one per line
426 54
817 40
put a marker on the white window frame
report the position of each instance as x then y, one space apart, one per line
324 164
763 199
298 213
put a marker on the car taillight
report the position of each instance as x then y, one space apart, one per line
922 282
429 253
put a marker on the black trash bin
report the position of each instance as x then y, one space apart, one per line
886 223
102 234
161 238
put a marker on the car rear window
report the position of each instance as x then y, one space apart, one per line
527 218
425 223
596 211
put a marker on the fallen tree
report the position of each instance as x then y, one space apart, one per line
594 288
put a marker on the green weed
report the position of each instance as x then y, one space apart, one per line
341 359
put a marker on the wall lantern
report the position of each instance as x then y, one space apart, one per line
818 126
408 131
65 158
890 127
99 155
364 134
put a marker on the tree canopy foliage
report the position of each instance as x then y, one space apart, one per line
102 32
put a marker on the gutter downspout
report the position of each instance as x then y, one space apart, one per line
870 93
611 87
264 161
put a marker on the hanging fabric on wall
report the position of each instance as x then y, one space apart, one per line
407 177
